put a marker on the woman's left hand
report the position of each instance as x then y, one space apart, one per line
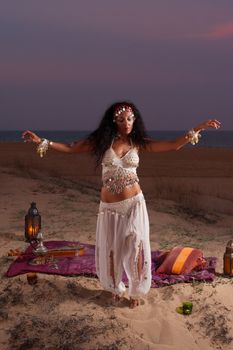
211 123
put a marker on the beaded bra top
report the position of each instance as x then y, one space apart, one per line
119 172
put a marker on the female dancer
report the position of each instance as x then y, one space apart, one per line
122 232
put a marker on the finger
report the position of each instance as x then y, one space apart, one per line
216 121
27 137
213 122
26 133
215 125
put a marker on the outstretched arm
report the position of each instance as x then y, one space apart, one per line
175 145
75 147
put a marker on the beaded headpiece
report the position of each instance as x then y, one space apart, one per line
123 108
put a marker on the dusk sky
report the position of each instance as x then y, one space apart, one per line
64 62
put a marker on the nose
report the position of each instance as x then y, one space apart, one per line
125 122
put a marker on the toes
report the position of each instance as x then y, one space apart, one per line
116 297
133 303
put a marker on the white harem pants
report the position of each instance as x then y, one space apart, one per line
122 243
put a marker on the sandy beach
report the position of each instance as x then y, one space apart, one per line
189 195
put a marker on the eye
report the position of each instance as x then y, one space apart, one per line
121 120
130 119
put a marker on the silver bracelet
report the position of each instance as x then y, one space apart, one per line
193 136
43 147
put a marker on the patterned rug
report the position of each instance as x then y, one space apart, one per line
84 264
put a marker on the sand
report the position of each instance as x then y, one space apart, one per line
189 195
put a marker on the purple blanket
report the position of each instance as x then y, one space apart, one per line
85 265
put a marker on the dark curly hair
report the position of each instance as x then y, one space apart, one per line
101 138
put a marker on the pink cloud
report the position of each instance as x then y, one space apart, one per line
219 32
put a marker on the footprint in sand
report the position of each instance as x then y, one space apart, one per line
155 324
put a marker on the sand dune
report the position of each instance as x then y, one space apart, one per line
189 196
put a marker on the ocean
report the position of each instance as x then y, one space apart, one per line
210 138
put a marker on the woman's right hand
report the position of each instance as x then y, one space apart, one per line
30 136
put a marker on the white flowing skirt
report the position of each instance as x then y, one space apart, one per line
122 244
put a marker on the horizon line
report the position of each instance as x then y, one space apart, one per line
86 130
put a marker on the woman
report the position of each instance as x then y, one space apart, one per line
122 232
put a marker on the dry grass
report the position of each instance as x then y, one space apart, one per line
194 194
50 328
199 179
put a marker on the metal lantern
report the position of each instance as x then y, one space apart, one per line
228 259
32 223
40 248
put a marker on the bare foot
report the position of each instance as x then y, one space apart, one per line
133 303
116 298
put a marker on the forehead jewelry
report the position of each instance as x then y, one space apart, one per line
123 108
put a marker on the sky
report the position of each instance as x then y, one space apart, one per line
62 63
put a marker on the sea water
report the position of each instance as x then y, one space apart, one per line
210 138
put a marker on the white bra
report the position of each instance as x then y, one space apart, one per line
119 172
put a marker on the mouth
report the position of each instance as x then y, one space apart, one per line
126 130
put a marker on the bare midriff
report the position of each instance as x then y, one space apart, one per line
128 192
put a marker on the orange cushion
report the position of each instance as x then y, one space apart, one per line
181 260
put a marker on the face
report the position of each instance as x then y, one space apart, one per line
124 122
